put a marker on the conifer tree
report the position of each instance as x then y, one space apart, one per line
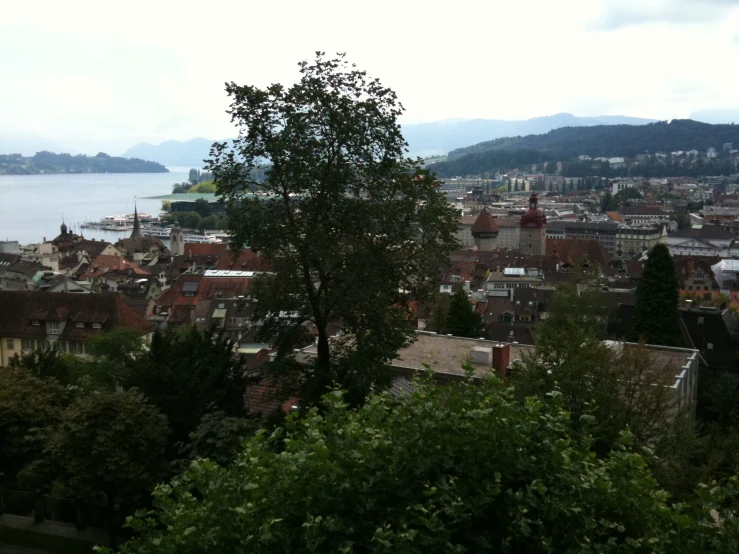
462 320
657 318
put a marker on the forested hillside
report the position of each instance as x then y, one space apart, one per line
606 141
48 162
616 140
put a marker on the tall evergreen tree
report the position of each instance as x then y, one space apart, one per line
462 320
657 319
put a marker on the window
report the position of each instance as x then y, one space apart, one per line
97 325
27 344
11 344
80 325
52 328
710 346
75 347
35 322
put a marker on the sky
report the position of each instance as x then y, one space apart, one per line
90 76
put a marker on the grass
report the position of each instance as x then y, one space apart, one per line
42 541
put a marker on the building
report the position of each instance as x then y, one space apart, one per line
633 241
618 186
509 233
485 232
446 355
39 321
703 240
711 152
602 231
726 272
533 225
640 215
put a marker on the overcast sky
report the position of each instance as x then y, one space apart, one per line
82 73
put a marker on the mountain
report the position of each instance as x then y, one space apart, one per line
189 153
48 162
427 139
424 139
599 141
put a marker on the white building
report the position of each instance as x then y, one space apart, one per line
711 152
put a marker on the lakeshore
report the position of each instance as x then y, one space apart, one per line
32 206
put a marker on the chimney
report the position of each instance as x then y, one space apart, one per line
480 295
467 286
501 358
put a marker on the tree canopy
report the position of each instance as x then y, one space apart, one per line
452 469
352 229
462 320
657 316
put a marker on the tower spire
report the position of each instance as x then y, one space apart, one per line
136 232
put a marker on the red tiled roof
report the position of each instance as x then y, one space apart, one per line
570 250
485 223
615 216
20 307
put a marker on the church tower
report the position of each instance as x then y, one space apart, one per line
136 233
533 224
177 240
485 231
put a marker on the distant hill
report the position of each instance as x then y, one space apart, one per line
428 139
424 139
600 141
188 153
48 162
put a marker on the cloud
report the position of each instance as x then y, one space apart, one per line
617 14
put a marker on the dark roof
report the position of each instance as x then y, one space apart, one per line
574 250
20 307
642 210
706 232
141 244
7 260
501 332
93 247
709 334
584 225
26 268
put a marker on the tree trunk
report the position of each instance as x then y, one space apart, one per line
324 354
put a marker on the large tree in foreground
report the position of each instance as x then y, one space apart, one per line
444 470
657 317
350 227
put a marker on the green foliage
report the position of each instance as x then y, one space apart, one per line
219 437
212 222
464 469
462 320
187 373
166 205
206 187
339 201
48 162
181 188
26 402
202 207
110 442
45 364
657 317
194 176
188 220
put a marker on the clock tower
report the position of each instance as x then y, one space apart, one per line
533 224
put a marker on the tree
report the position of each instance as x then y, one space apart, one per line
45 364
339 201
202 207
657 317
194 177
515 185
187 373
110 443
462 320
452 469
219 437
510 187
26 402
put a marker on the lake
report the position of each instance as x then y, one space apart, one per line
32 206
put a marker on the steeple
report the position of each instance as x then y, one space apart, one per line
63 228
136 233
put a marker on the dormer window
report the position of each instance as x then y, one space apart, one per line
80 325
97 325
36 322
52 327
